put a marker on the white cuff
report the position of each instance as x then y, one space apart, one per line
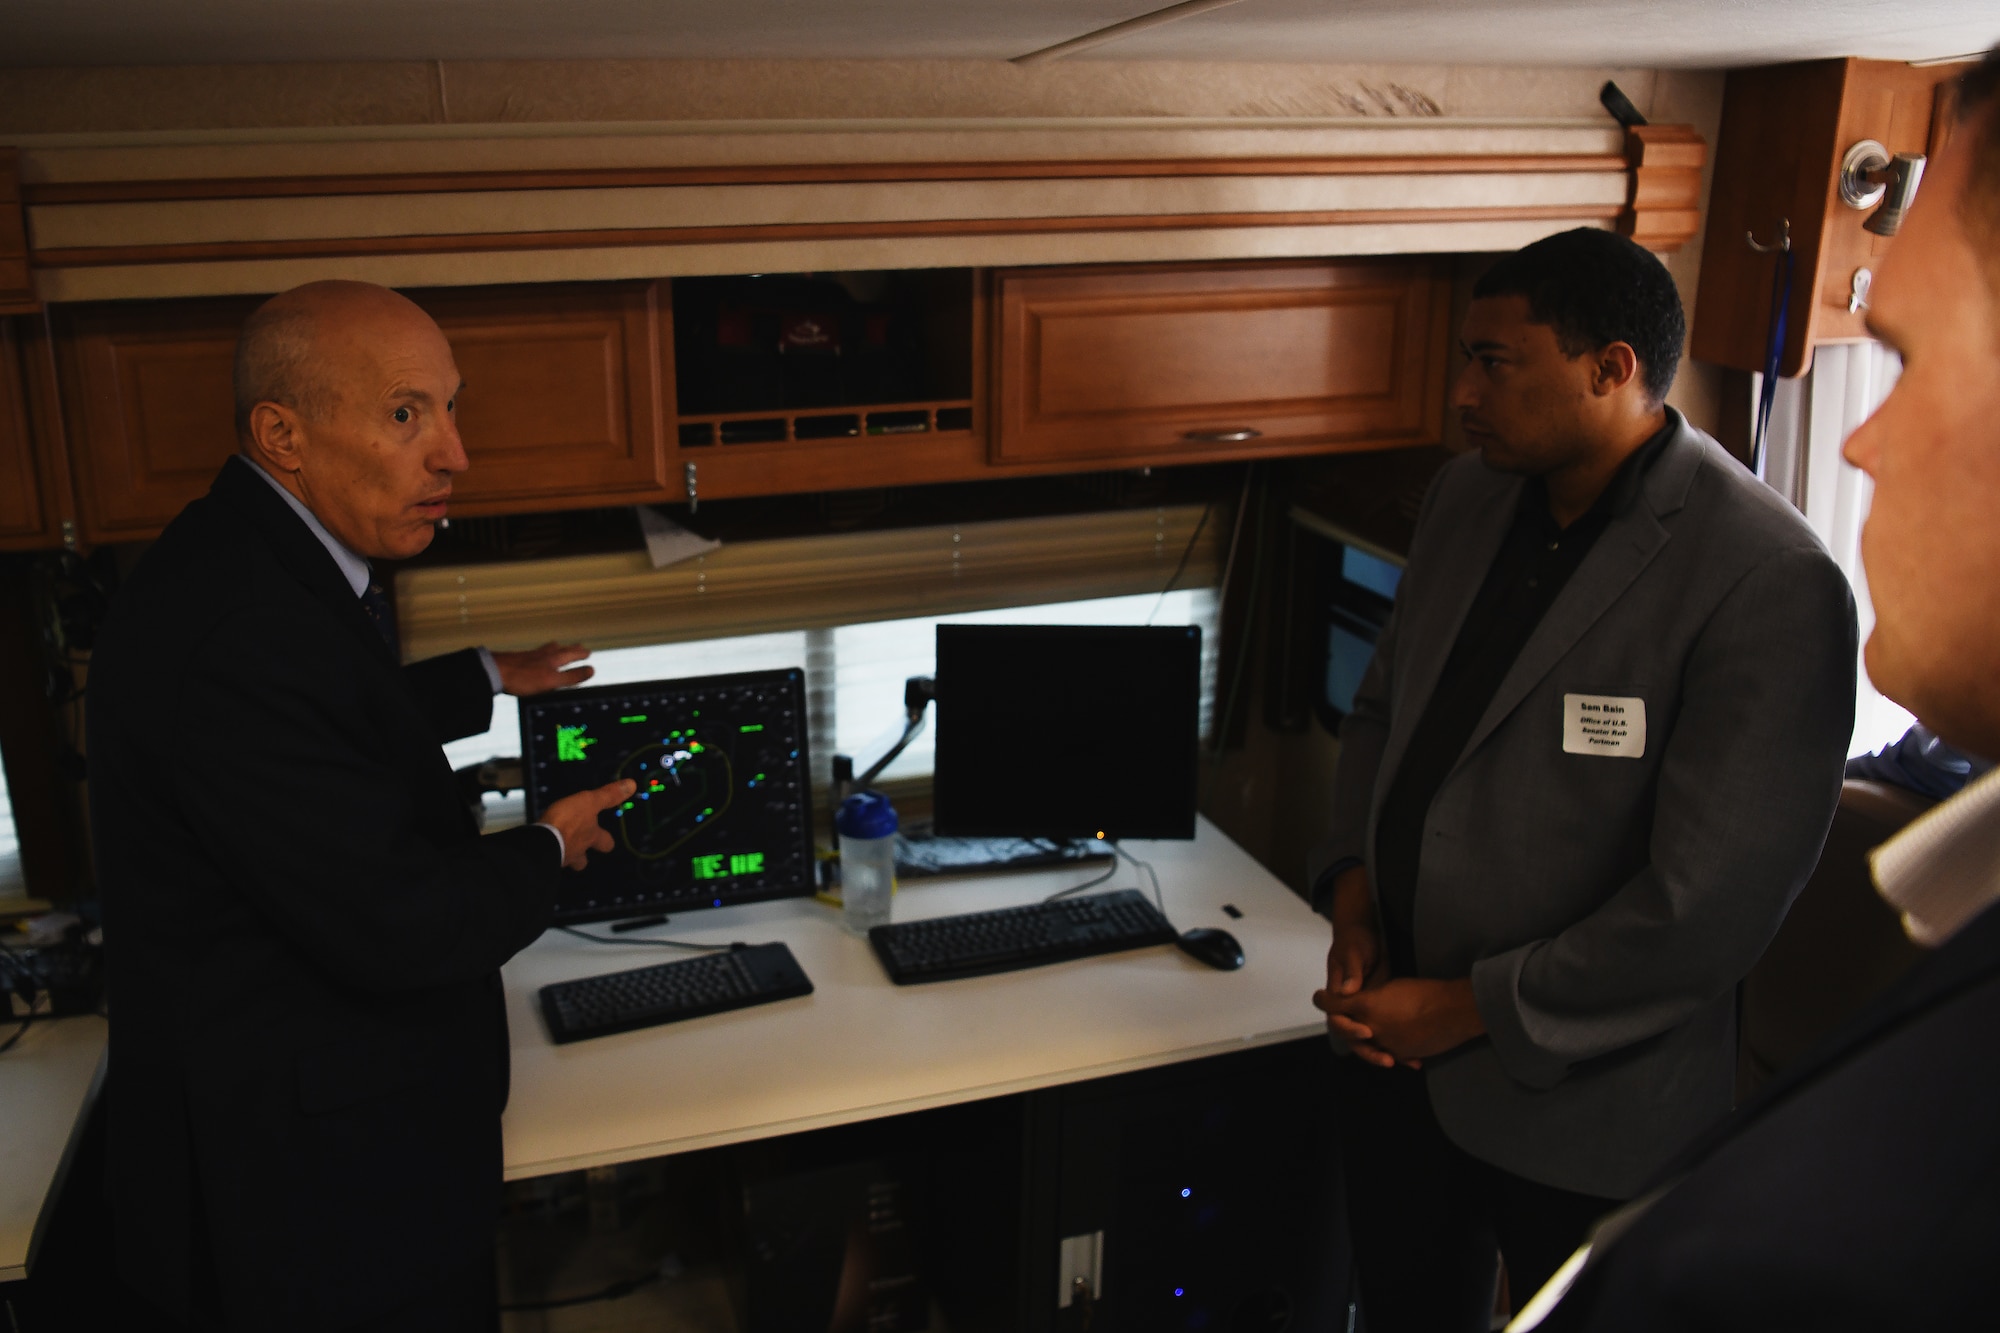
562 848
493 678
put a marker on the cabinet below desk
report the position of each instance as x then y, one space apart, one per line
1204 1194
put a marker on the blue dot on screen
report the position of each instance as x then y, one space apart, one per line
1186 1193
718 902
1180 1291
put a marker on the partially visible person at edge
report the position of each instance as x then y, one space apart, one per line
303 927
1595 756
1860 1189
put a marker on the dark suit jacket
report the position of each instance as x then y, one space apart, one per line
1605 907
1860 1190
303 931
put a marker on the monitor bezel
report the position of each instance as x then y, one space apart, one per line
794 676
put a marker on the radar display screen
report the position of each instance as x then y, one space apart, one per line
722 813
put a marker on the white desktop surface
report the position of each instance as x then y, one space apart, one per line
47 1084
861 1047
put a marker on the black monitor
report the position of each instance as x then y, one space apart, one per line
723 810
1067 731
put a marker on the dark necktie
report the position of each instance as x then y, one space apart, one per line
375 605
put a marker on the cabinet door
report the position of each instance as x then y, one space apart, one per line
1166 365
562 409
28 502
568 393
147 398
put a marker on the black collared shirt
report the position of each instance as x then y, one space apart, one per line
1535 561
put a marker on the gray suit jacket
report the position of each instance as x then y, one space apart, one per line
1606 906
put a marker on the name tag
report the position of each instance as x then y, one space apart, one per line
1612 725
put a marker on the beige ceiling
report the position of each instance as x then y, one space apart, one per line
1655 33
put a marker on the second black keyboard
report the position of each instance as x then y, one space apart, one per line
669 992
946 947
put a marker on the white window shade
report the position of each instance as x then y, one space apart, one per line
11 882
1811 418
750 588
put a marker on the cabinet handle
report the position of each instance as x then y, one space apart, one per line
1229 435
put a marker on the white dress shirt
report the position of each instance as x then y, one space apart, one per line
1944 869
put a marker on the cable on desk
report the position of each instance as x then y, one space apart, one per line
39 996
643 939
19 1032
1087 884
1146 866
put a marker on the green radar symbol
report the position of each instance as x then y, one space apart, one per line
683 788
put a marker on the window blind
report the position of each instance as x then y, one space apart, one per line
761 587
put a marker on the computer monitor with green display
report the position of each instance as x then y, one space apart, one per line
722 812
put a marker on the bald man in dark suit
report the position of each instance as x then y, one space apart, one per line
303 927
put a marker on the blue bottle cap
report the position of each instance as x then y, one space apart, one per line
866 814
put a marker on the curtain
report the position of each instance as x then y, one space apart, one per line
1811 418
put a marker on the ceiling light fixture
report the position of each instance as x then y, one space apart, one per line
1159 17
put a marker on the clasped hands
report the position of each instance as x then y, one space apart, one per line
1386 1020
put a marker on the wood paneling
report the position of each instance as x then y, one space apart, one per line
1162 364
27 518
1784 129
567 388
1665 206
17 285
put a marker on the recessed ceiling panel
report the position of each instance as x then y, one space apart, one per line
1664 33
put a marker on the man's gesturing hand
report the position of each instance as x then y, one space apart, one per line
539 670
1407 1019
575 817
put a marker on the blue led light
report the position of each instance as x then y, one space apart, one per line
1186 1193
718 902
1180 1291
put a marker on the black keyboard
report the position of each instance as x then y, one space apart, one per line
669 992
978 943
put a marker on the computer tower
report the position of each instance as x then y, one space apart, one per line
835 1250
1198 1198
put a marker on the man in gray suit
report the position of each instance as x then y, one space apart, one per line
1595 756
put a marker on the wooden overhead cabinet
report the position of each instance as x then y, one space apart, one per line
32 483
1191 363
1785 131
567 389
569 394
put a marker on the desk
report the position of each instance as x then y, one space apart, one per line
860 1047
47 1085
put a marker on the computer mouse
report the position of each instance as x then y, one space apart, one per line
1217 948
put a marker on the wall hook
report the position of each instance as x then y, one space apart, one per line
1784 242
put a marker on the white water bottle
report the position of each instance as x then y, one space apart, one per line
866 823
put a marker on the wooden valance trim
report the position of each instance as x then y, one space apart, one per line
440 182
620 600
92 239
501 242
